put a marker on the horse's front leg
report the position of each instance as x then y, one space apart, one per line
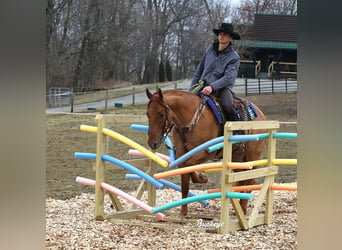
198 177
185 180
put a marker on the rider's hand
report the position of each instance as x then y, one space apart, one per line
207 90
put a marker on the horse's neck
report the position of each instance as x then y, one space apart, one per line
182 110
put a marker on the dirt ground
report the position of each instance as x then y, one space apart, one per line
64 138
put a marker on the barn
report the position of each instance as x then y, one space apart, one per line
268 48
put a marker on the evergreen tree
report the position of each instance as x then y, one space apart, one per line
161 72
168 70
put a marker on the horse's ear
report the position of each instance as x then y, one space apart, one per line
160 93
148 93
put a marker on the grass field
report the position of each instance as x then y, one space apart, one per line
64 138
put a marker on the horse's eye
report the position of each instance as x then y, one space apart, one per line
161 115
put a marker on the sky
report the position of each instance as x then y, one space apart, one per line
235 2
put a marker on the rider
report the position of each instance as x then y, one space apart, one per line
219 68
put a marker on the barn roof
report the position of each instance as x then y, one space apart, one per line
270 31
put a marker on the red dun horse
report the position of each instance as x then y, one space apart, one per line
179 110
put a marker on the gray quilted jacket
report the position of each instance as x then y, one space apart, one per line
218 69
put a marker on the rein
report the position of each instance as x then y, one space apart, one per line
195 118
168 125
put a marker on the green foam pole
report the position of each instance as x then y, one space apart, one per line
196 198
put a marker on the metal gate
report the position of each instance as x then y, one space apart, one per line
59 96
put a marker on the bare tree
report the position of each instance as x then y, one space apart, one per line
248 8
91 41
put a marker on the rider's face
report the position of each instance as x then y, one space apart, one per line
224 38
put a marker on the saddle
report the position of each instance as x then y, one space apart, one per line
244 109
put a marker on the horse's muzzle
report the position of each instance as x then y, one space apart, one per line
154 145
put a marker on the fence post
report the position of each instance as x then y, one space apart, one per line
259 86
272 85
133 96
72 101
106 101
286 84
246 88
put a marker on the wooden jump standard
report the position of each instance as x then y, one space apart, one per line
228 177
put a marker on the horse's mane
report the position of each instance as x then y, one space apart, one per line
180 98
177 92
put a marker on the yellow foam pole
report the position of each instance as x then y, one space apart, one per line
238 188
88 128
284 161
258 163
129 142
215 166
242 165
136 146
186 170
257 187
212 170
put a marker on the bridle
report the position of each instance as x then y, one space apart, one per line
168 123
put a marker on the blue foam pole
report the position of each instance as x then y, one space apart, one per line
285 135
167 140
139 127
196 150
171 150
243 138
134 170
200 197
124 165
85 155
170 185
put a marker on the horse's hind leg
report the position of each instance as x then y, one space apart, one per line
253 152
185 180
244 202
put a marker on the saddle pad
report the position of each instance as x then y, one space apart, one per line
213 107
249 113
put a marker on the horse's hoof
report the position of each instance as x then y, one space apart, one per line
203 178
199 178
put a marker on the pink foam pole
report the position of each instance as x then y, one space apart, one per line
122 194
137 152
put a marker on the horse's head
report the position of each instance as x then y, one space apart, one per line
159 119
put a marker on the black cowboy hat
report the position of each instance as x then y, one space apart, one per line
228 29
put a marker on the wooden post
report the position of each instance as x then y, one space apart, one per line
272 147
228 177
151 188
100 168
114 198
225 185
140 192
